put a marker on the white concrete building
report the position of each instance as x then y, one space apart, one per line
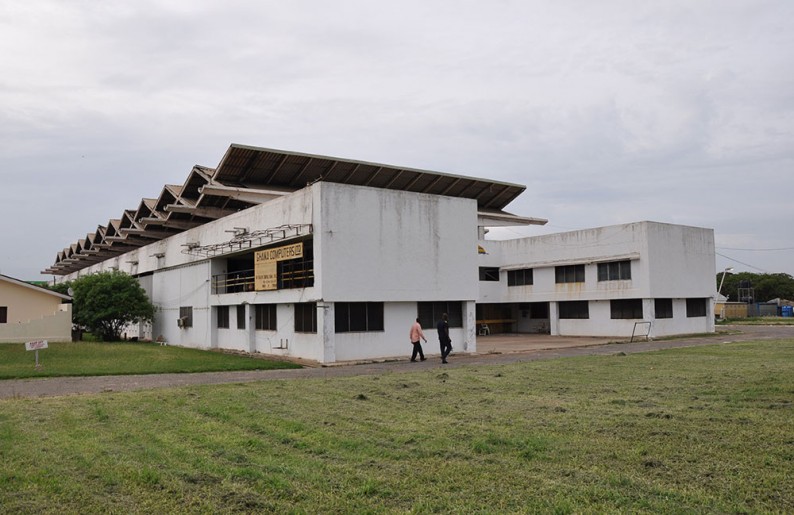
332 260
608 281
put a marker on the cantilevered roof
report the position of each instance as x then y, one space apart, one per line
247 176
256 167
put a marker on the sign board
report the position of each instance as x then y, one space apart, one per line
36 345
265 264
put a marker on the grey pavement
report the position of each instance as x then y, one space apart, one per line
492 350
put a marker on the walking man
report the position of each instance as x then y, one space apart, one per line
443 337
416 334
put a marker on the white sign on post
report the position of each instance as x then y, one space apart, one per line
36 345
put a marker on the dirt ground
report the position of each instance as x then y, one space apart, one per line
492 350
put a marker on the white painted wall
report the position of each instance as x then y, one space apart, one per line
387 245
182 286
681 261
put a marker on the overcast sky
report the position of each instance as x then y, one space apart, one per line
609 112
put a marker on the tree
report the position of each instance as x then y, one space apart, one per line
62 288
104 303
765 286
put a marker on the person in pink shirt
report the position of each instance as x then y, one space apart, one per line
417 334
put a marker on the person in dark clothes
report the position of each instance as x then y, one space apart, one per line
443 337
416 334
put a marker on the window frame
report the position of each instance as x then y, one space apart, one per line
572 310
520 277
186 313
696 307
222 317
565 274
430 312
266 317
625 309
358 317
3 314
666 311
241 317
614 270
489 274
305 317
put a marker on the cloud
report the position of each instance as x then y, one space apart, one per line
609 112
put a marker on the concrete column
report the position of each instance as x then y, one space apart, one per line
326 330
554 319
469 326
213 327
250 327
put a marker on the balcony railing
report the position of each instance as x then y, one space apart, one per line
233 282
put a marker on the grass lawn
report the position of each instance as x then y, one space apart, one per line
702 429
758 321
96 359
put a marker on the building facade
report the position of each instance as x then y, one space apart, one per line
29 312
332 260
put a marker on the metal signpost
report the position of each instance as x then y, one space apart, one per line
36 345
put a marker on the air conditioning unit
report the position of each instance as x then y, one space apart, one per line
180 322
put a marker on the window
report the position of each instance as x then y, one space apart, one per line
574 309
614 271
353 317
569 274
663 308
266 317
297 273
430 313
3 314
626 308
186 315
306 317
241 316
489 273
521 277
695 308
223 317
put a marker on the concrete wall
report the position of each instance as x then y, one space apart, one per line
388 245
680 261
182 286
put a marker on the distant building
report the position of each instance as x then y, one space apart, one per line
331 260
29 312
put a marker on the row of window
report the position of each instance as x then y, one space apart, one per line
611 271
349 317
631 308
368 316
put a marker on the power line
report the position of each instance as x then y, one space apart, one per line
741 263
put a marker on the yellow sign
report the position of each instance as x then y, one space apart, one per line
265 268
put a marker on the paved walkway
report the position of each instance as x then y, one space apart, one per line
513 349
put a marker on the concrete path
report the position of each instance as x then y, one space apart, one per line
514 349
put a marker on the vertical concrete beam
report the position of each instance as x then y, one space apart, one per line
326 327
554 319
250 328
469 326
